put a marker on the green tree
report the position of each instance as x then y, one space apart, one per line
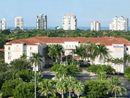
61 87
20 64
127 73
36 60
55 52
24 90
101 68
23 57
65 70
71 82
91 51
46 87
25 75
60 70
78 88
102 52
97 89
9 86
81 51
117 61
126 59
72 70
3 66
5 76
116 88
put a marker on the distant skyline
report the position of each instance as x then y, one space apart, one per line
85 10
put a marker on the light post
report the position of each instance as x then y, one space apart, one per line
35 69
36 59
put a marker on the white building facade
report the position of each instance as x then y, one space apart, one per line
19 22
119 24
41 22
69 22
95 26
116 47
3 24
16 50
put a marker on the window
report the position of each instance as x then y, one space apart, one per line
30 48
9 55
8 48
31 54
24 51
127 49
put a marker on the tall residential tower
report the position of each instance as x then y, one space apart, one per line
41 22
95 26
69 22
3 24
119 24
19 22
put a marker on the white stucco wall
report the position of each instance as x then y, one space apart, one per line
15 51
69 47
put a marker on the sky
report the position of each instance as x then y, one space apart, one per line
85 10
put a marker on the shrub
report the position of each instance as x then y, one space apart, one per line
65 70
96 89
25 75
8 87
127 73
101 68
24 90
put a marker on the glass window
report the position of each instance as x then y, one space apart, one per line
8 48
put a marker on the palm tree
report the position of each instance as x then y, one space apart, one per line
71 82
78 89
116 87
126 59
102 52
60 70
102 75
61 87
81 51
118 90
36 60
0 94
64 71
55 52
46 88
23 57
91 51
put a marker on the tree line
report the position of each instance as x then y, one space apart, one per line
8 35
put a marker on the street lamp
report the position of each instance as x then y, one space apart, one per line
35 69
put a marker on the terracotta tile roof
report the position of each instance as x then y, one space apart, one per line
46 40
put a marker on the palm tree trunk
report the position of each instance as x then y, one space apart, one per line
78 96
115 95
66 60
35 84
62 95
56 60
69 94
60 60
